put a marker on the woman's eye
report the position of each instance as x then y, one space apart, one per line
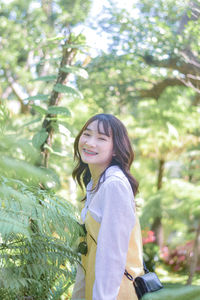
86 134
103 139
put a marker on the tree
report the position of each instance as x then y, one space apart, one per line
163 37
150 73
32 49
39 228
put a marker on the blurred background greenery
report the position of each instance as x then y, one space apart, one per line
61 62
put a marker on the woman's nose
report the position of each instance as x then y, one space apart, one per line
91 142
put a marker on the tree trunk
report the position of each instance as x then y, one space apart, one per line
157 224
194 258
67 59
160 174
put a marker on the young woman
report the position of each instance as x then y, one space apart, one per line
104 155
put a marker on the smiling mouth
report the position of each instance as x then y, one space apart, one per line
89 152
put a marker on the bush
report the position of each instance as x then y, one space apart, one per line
151 250
178 259
37 244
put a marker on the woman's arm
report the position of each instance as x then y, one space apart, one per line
118 219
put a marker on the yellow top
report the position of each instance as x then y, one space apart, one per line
134 260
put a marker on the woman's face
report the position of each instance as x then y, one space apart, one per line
96 148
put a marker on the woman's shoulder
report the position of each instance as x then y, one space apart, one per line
115 176
114 172
117 189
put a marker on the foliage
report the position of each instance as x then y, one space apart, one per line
150 249
32 52
178 259
142 78
38 228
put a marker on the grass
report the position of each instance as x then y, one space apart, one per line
175 287
168 277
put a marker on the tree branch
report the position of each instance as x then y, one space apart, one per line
67 59
195 13
159 87
187 62
17 91
194 258
190 65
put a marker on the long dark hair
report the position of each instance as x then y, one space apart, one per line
123 157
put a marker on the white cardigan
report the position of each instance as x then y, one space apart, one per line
113 207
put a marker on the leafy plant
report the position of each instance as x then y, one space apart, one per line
38 234
151 250
178 258
38 228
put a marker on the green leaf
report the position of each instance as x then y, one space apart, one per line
38 97
57 110
68 90
32 122
77 46
46 78
39 138
39 109
42 61
76 71
56 38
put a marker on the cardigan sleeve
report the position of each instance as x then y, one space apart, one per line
118 219
79 286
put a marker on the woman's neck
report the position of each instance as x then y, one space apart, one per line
95 174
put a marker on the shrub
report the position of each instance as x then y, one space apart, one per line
178 258
151 250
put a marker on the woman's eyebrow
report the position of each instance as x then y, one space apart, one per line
102 133
99 132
